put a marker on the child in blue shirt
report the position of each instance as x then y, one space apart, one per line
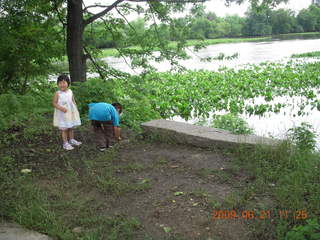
105 119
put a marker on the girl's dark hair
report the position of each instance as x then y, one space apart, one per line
63 77
118 106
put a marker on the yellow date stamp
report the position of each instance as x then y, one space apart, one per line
259 215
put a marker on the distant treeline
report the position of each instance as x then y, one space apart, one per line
207 25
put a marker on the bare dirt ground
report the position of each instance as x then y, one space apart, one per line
180 191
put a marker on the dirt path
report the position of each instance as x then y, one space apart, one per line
184 182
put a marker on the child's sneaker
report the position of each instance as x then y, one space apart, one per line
74 142
67 146
102 149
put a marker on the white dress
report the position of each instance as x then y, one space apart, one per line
69 119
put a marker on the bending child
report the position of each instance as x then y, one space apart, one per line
66 114
105 119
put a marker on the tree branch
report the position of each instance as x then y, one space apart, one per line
118 49
55 8
113 5
96 65
130 25
102 13
169 1
96 5
127 7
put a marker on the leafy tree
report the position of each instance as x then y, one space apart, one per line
201 28
211 16
282 21
179 29
164 31
222 27
78 18
235 25
315 12
29 42
307 20
136 29
97 36
258 22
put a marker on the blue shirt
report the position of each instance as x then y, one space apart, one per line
104 112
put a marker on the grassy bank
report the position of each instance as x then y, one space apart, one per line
153 189
307 55
302 34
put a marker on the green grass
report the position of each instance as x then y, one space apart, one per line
287 175
225 40
109 52
307 55
301 34
56 196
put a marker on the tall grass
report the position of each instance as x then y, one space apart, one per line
290 174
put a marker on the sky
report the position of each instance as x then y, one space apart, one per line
219 8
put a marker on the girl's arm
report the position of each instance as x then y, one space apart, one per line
55 103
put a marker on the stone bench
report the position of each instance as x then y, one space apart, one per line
200 136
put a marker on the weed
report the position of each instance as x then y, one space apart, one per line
213 203
133 167
234 200
219 175
303 137
311 230
200 193
290 175
232 123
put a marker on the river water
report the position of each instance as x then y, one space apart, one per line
276 50
248 53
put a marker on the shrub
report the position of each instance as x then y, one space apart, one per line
232 123
136 106
93 90
303 137
17 109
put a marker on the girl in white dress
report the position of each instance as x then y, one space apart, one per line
66 114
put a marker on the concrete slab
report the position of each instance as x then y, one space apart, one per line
13 231
200 136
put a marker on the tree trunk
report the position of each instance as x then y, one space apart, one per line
75 28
